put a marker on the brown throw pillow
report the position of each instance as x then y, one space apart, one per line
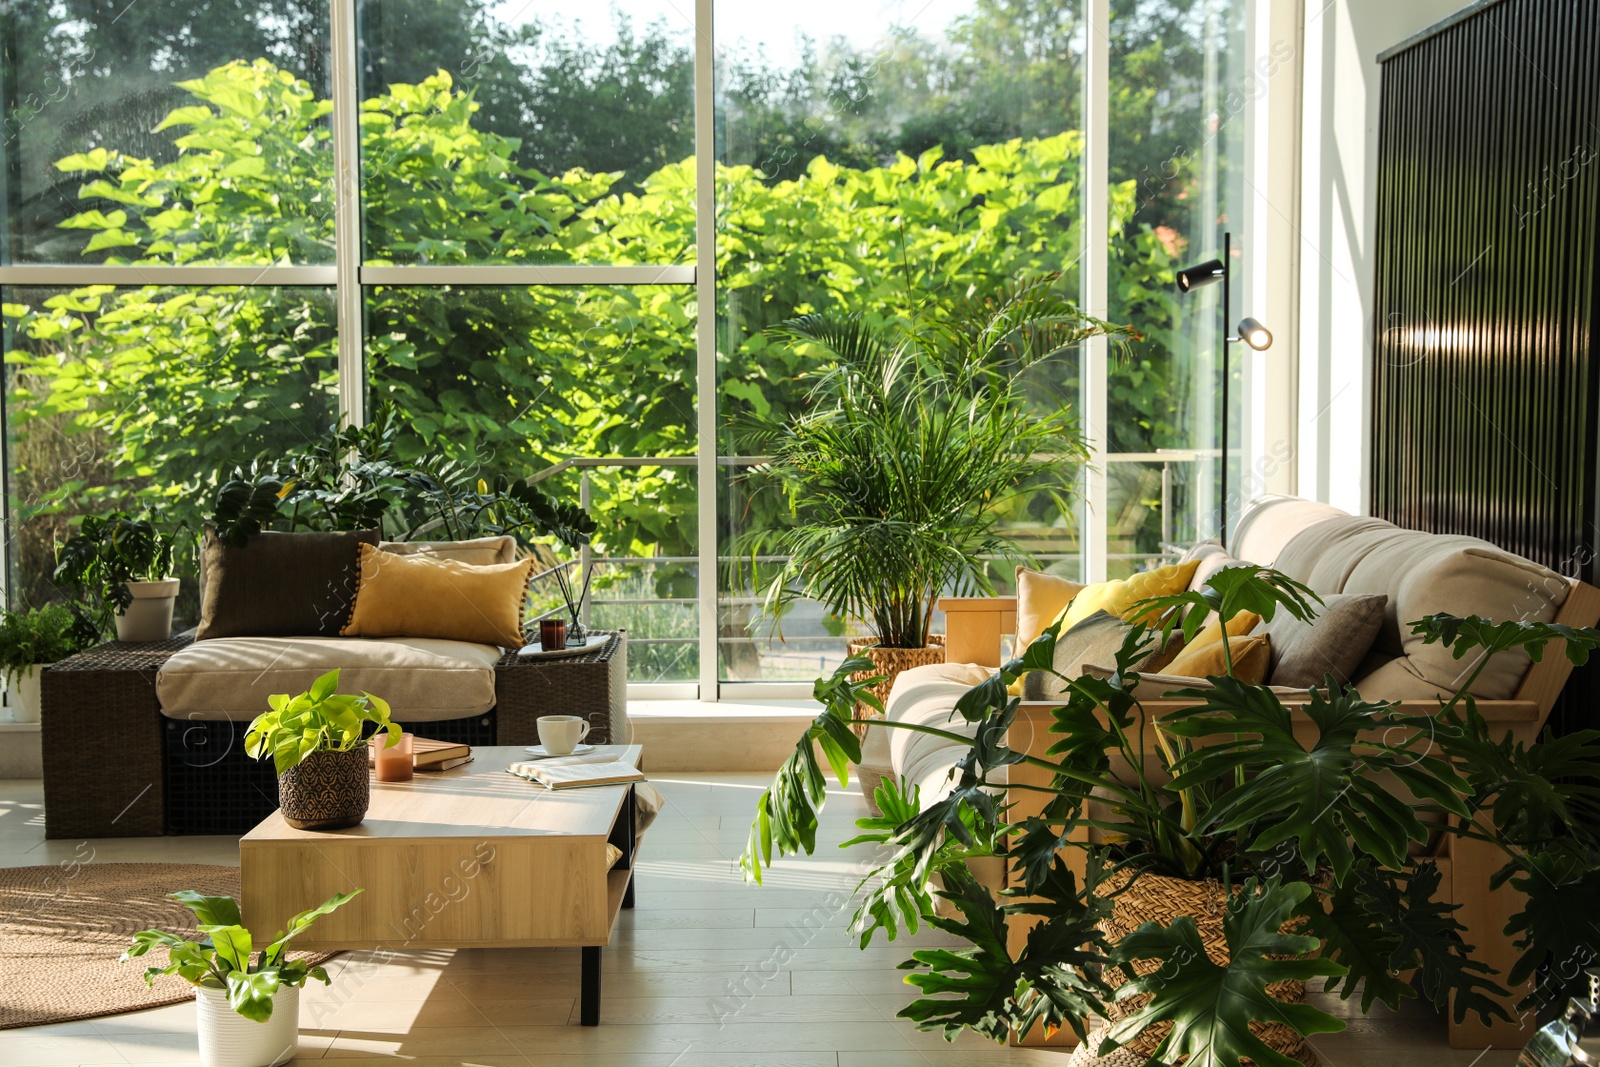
279 584
426 596
1335 642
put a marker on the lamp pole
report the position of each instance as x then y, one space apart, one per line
1227 303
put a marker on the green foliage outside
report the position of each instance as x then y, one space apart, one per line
174 385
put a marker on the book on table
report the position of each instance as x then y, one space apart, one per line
429 755
554 775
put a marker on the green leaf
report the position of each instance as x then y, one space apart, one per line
982 988
210 911
250 994
1211 1007
272 955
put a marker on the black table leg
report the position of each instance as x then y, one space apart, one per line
589 993
627 897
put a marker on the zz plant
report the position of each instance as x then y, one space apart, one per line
223 958
1312 848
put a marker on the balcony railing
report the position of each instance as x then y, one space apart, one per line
1176 524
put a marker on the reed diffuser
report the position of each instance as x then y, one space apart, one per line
576 635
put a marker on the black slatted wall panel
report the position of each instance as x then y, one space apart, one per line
1485 399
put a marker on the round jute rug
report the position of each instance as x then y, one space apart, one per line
63 927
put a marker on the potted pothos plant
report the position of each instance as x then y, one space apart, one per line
1189 871
918 439
120 568
247 1000
29 641
317 744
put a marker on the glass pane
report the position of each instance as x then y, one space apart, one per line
521 133
1179 88
162 133
875 159
515 380
1150 506
139 398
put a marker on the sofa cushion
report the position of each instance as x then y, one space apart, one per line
1424 573
1323 555
430 596
1095 640
423 679
1268 523
1252 658
1041 598
478 551
927 696
278 584
1335 642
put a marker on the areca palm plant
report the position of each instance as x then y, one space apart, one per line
1298 836
917 440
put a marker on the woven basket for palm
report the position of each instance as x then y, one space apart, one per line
889 662
1159 899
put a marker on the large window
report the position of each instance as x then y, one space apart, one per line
556 246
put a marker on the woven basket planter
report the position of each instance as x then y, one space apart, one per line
1159 899
326 790
890 662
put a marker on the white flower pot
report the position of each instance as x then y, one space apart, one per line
228 1039
23 694
149 617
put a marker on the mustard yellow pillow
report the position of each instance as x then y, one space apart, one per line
1120 595
1252 658
1041 598
1240 625
428 596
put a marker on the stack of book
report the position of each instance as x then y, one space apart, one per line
429 755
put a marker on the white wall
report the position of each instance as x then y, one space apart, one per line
1337 221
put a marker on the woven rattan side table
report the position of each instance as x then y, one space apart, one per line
101 734
593 685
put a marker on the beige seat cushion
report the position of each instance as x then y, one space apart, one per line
423 679
1268 523
479 551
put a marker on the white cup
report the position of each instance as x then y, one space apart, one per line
560 734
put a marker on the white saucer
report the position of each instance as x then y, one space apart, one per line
538 752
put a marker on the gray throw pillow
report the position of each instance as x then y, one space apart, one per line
1335 642
279 584
1094 641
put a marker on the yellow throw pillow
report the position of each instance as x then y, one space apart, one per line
428 596
1252 658
1120 595
1041 598
1238 626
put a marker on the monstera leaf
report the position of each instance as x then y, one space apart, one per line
1228 592
1324 797
983 988
1558 929
1379 930
1211 1007
786 814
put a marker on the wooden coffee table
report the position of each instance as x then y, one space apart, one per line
468 858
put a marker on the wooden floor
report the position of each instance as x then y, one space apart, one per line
706 972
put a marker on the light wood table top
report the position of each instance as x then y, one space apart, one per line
479 800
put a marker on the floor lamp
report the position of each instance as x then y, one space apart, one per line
1249 332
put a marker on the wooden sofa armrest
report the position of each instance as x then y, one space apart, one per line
973 625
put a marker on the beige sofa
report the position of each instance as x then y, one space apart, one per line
1332 552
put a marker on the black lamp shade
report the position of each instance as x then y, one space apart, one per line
1257 336
1197 277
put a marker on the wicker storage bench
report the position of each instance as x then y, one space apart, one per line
114 766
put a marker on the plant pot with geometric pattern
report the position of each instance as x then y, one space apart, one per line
326 790
317 745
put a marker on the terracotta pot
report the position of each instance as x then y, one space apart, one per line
1160 899
326 790
149 617
890 662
